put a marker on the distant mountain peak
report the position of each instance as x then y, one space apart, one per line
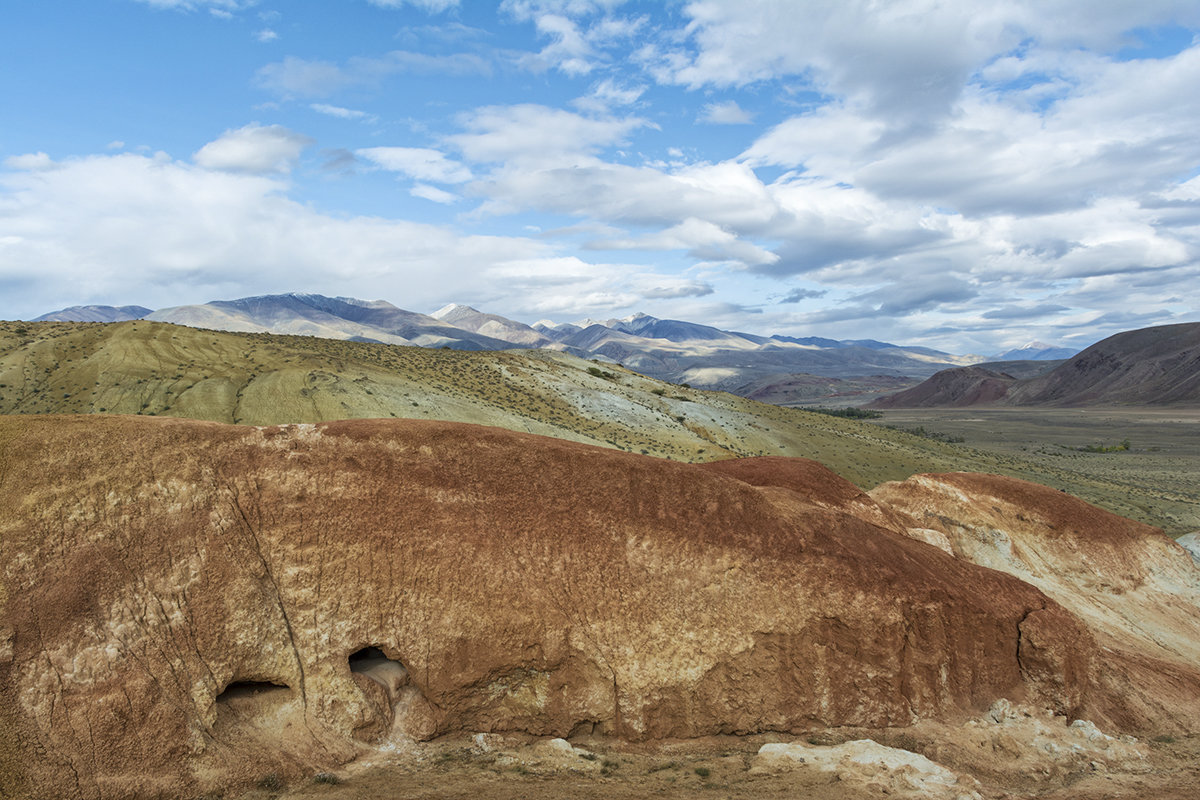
1036 351
453 308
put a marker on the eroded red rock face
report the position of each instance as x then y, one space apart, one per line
188 604
1137 591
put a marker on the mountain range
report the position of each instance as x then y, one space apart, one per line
1148 366
671 350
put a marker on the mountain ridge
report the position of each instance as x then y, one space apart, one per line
1155 366
675 350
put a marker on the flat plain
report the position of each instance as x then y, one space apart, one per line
1155 480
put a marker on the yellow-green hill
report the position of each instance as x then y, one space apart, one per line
150 368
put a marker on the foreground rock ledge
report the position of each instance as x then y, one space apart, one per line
188 605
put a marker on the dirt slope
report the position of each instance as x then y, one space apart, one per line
188 605
1137 591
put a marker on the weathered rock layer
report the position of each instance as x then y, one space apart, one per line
188 604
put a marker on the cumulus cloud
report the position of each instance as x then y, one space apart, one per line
910 59
341 113
183 233
726 113
701 239
580 31
528 134
608 94
29 161
417 162
254 148
433 194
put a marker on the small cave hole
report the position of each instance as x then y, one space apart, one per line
245 690
371 662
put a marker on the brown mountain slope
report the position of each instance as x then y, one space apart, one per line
189 605
953 388
1150 366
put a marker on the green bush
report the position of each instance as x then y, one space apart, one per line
848 413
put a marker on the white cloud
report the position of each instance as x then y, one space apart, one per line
432 6
266 35
417 162
701 239
182 233
433 194
298 77
909 59
341 113
727 113
29 161
537 134
221 8
669 287
608 94
577 46
254 148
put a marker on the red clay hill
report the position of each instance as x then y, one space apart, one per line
189 605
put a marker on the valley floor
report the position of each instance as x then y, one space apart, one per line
1153 481
718 767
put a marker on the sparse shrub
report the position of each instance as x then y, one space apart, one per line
271 782
1100 448
327 778
924 434
848 413
588 756
659 392
703 772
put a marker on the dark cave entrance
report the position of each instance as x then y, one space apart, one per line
253 690
372 662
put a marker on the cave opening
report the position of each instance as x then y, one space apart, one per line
372 662
247 690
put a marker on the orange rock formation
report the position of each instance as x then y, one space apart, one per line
189 604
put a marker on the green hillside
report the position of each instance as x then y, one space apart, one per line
160 369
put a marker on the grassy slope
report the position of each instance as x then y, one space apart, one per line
262 379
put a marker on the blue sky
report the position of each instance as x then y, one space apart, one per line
953 174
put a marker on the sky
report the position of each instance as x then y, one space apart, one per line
965 175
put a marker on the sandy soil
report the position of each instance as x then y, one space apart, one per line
719 767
